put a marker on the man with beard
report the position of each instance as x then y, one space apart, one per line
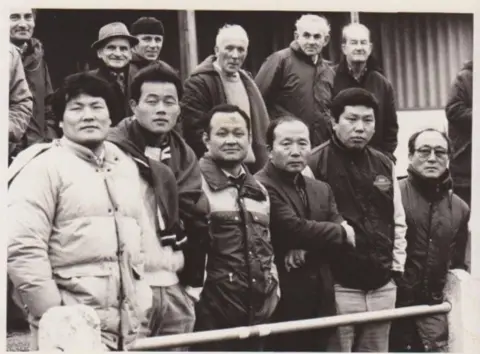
241 286
368 197
114 49
297 81
305 228
437 235
219 79
358 68
22 25
150 34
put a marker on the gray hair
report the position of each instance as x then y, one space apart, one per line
225 30
353 27
320 20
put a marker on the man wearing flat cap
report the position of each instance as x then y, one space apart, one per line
114 49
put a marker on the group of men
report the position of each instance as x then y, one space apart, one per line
229 201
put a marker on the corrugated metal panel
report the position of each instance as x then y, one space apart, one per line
422 53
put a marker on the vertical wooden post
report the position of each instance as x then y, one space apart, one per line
354 17
188 42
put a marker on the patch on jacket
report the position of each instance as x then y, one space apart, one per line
382 183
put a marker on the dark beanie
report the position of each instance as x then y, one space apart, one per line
147 25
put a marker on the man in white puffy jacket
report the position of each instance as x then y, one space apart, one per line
76 219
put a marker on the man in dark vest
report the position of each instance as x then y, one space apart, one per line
368 198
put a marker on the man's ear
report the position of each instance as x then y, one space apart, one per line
295 35
205 138
215 50
99 53
133 105
327 39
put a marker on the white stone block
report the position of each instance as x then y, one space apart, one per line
70 328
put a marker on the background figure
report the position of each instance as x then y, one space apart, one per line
459 115
437 235
297 81
357 68
22 25
219 79
114 49
305 228
20 103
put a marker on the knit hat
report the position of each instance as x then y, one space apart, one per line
111 30
147 25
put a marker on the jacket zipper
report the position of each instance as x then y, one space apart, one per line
425 269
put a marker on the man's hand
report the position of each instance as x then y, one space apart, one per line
350 233
294 259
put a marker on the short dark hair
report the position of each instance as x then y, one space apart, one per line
413 139
155 72
354 96
76 84
226 108
270 136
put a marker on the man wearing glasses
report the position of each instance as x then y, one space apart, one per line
437 235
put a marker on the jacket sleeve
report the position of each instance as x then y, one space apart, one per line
459 104
268 80
390 132
194 108
31 213
20 99
334 214
460 258
301 233
400 242
193 211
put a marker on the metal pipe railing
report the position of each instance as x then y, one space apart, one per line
187 339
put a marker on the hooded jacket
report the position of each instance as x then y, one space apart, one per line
203 91
459 115
386 124
291 84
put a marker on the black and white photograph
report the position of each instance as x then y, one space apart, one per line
241 179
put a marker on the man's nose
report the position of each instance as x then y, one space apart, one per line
235 53
431 156
88 113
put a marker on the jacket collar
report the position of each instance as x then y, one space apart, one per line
353 154
431 188
218 180
83 152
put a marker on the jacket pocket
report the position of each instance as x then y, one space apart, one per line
143 295
92 286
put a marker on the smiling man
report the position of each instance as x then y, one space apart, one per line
358 68
297 81
368 197
114 49
217 80
241 287
437 239
178 260
76 219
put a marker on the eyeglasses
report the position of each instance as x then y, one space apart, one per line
425 153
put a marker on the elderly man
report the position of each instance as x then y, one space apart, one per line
297 81
114 49
241 286
437 236
218 80
367 195
22 25
77 227
357 68
305 228
155 94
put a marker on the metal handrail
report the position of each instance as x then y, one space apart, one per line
186 339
